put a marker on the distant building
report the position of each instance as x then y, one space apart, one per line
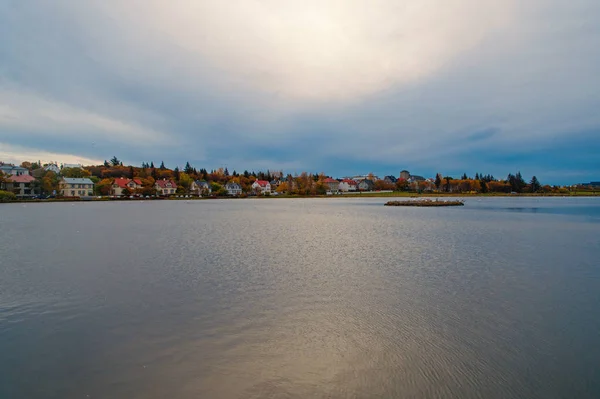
52 167
200 187
122 183
261 186
390 179
21 185
13 170
405 175
332 184
366 185
416 178
76 187
233 188
72 166
347 185
165 187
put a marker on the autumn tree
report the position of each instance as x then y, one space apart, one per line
104 186
185 181
75 172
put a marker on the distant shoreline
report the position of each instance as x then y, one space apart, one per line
357 195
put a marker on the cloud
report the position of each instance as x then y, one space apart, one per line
329 86
17 154
21 111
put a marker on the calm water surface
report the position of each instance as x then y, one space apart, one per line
315 298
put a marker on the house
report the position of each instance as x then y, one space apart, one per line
165 187
347 185
261 186
390 179
52 167
415 178
405 175
233 188
366 185
76 187
21 185
8 169
200 187
122 183
332 184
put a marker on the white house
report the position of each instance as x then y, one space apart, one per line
233 188
165 187
76 187
122 183
332 184
261 186
52 167
348 185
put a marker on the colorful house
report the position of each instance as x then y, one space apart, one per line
165 187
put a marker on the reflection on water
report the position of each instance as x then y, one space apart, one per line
327 298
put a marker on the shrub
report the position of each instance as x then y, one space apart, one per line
6 196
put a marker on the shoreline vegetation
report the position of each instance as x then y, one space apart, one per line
113 181
395 194
425 203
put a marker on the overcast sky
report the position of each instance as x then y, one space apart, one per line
344 87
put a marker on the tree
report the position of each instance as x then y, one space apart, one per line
483 186
535 185
131 172
126 192
114 161
448 179
152 164
185 181
176 173
154 174
75 172
162 165
464 176
106 164
438 181
103 187
188 168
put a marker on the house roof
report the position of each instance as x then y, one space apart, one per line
123 182
77 180
7 167
330 180
262 183
231 184
21 179
350 182
166 183
202 183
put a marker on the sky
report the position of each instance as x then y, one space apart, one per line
343 87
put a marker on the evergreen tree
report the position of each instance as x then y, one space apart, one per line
226 171
176 173
106 164
464 176
246 174
438 181
477 176
131 172
448 179
115 161
188 168
152 164
154 174
484 187
162 165
535 185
